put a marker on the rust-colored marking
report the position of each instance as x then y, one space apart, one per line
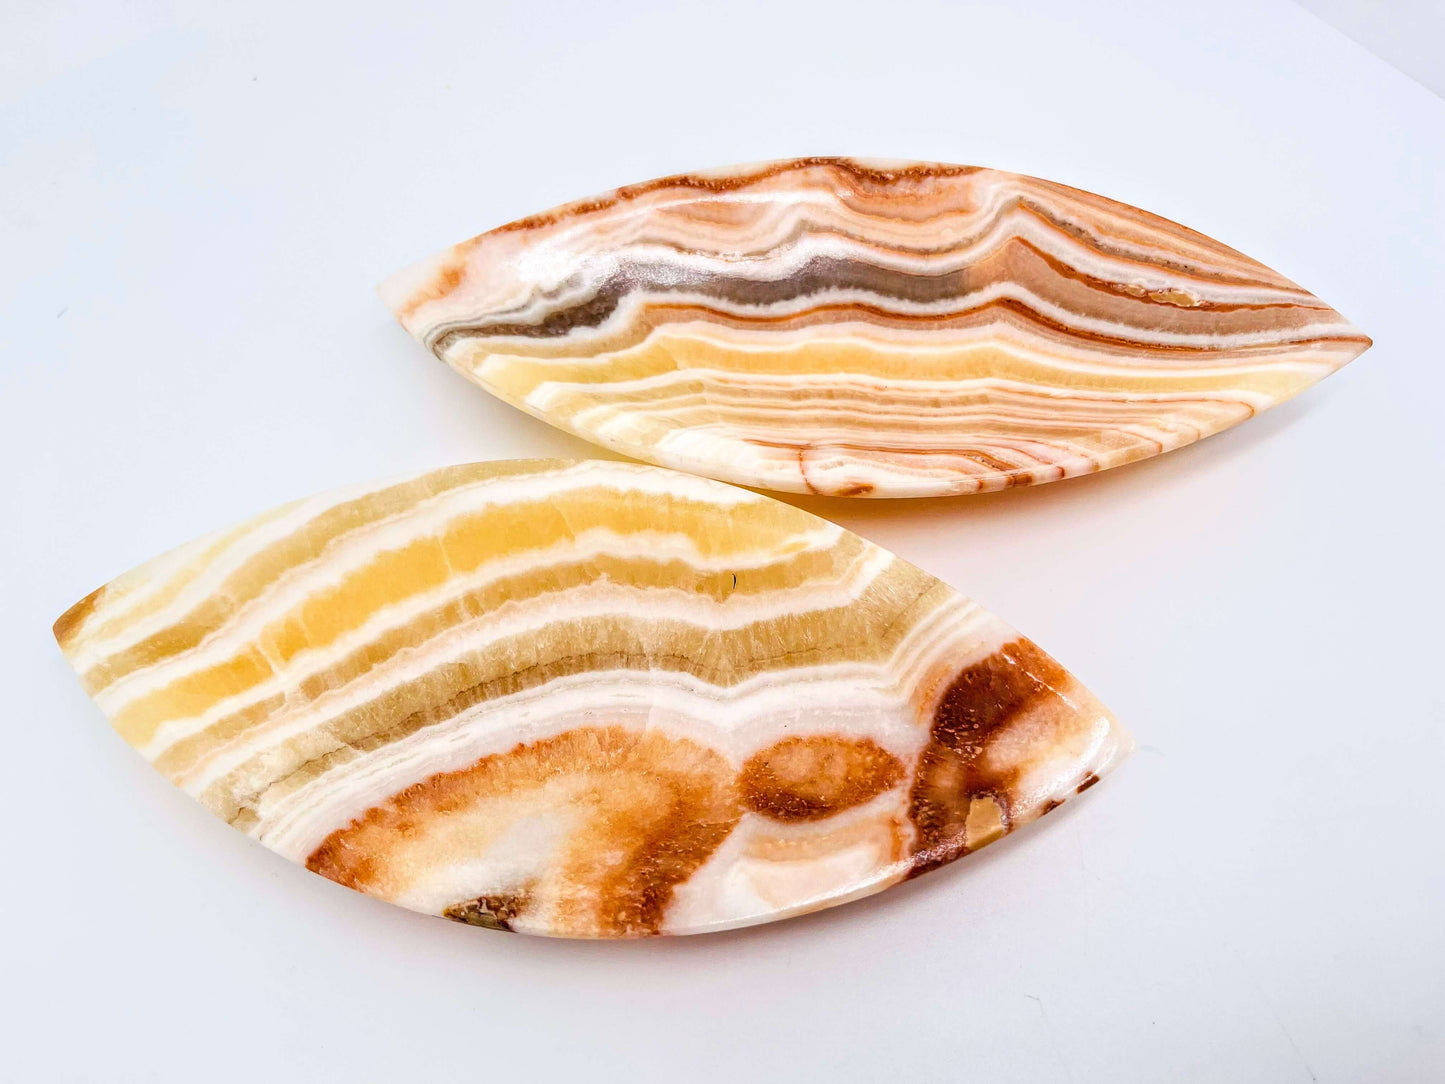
646 811
732 182
952 770
804 779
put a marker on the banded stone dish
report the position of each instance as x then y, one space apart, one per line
583 699
860 328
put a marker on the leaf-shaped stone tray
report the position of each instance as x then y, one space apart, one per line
583 699
880 329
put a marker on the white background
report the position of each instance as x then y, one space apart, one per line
1408 33
194 210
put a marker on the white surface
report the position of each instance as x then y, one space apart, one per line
1408 33
192 217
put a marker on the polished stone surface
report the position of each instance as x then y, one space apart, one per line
584 699
878 329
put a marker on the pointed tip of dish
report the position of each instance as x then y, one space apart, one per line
426 280
68 624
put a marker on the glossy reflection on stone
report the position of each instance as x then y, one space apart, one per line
870 329
583 699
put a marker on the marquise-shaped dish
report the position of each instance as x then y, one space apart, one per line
883 329
583 699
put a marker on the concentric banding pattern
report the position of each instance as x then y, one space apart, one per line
877 329
583 699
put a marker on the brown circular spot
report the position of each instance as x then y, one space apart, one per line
802 779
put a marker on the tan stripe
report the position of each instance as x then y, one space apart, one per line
807 566
297 549
864 632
